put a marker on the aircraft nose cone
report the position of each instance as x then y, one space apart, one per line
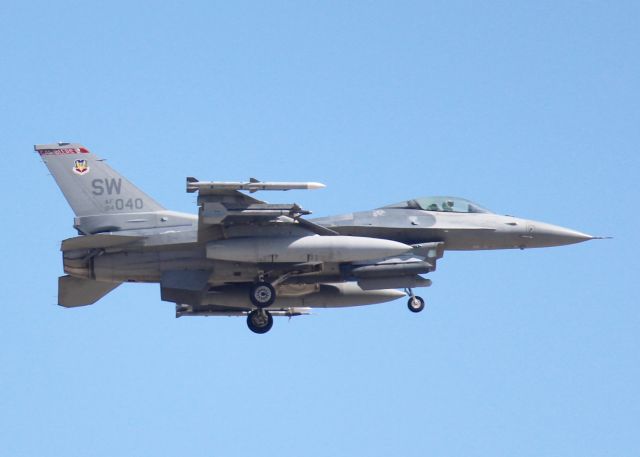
543 235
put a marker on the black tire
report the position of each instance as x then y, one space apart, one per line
262 294
259 321
415 304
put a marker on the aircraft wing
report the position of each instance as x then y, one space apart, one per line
222 204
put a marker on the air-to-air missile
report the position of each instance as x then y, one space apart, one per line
253 185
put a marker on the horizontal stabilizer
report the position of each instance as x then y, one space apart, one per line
79 292
98 241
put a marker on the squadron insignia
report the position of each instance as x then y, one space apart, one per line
81 167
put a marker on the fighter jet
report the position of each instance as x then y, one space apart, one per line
241 256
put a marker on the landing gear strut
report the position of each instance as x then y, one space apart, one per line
260 321
415 303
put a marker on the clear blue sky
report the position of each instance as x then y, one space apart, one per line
529 108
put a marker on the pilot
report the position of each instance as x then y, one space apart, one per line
447 205
433 207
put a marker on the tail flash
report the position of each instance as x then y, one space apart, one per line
90 185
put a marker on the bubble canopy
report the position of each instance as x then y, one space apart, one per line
442 204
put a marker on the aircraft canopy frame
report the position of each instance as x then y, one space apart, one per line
442 204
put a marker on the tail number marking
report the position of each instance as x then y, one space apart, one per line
118 204
109 186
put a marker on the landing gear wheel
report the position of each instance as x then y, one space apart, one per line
260 321
262 294
415 304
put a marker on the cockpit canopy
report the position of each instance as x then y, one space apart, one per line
444 204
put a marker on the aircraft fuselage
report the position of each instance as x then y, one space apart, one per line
458 231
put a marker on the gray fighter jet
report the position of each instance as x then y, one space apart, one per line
241 256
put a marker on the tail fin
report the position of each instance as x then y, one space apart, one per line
90 185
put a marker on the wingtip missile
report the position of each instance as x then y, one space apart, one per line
253 185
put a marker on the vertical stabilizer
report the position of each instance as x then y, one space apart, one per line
90 185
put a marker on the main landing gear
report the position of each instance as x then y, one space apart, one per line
260 321
415 303
262 294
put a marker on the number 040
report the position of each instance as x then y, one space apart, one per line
130 203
